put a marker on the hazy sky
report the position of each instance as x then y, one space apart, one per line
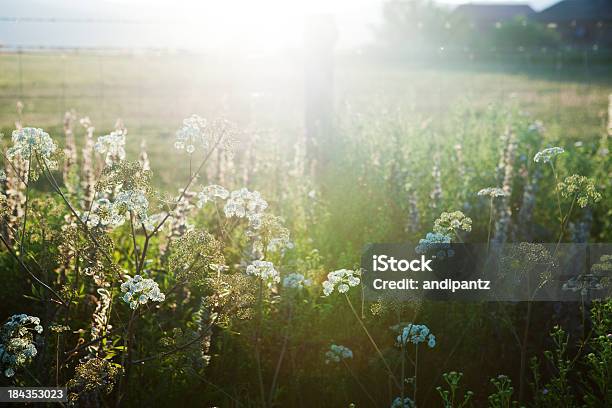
339 4
194 24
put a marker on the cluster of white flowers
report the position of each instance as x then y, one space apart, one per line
244 203
2 176
210 193
105 213
452 222
247 204
138 291
192 134
546 155
337 353
279 243
343 279
17 342
31 142
265 271
296 281
492 192
133 201
415 334
112 145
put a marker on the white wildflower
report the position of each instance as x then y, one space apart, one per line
112 145
17 347
103 213
492 192
133 201
296 281
244 203
191 134
31 142
546 155
337 353
210 193
265 271
343 279
138 291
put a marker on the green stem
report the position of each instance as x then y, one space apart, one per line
136 255
416 371
363 388
29 272
552 166
25 213
281 356
564 222
125 359
403 378
262 392
79 220
57 363
365 329
490 223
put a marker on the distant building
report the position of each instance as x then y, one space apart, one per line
580 22
484 16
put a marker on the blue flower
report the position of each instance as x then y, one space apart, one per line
434 241
416 334
407 403
432 341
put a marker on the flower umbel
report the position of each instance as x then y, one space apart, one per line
337 353
265 271
580 187
546 155
452 222
132 201
416 334
296 281
93 377
112 145
343 279
31 142
407 403
17 347
138 291
492 192
103 214
246 204
198 133
210 193
437 243
192 134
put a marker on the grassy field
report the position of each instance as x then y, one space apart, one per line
410 142
153 93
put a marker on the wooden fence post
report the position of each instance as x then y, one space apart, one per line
320 36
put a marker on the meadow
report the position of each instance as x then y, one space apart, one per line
155 279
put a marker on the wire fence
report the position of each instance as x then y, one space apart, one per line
149 85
